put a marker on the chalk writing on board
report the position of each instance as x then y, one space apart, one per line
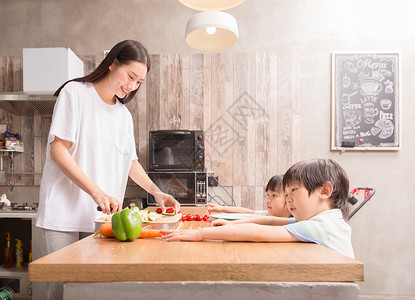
366 100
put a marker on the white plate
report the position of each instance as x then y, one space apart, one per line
233 216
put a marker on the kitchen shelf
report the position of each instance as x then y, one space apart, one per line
13 272
11 150
24 173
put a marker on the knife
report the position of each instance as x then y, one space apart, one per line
99 208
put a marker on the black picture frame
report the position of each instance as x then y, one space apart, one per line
365 112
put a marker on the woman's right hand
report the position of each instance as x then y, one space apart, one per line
108 204
214 208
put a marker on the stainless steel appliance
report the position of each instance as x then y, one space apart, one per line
187 187
16 207
177 150
44 70
24 206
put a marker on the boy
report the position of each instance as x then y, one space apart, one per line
316 194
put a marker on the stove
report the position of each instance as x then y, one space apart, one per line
24 206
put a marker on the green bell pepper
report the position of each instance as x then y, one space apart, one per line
126 225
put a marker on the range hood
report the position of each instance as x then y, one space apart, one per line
44 69
20 103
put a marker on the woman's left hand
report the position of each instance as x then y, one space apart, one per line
164 200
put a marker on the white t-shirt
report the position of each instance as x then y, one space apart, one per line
328 228
102 145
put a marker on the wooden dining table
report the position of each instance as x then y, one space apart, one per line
148 260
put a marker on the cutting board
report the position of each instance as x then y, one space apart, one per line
168 219
166 222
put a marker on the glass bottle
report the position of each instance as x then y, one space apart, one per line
8 253
6 293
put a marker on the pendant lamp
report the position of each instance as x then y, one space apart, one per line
211 5
211 31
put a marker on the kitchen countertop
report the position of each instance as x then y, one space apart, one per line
30 214
107 260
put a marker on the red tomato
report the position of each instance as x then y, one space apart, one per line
197 217
205 218
190 217
170 210
183 218
158 210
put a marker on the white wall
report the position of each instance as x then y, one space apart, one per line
308 29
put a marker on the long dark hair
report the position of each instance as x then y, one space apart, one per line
313 173
122 53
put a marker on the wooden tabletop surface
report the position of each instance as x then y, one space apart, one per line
105 260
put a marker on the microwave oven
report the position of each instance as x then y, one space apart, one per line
176 150
189 188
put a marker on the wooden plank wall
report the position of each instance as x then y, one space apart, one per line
245 102
12 80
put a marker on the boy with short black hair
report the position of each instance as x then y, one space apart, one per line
319 220
316 194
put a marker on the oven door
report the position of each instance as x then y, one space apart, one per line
172 151
181 185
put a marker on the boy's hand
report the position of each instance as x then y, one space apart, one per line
214 208
182 235
219 222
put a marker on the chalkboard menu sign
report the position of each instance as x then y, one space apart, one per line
365 101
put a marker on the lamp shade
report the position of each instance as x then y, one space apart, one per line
211 5
211 31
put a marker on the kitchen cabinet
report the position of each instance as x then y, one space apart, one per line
20 224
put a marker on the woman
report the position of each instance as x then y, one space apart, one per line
91 149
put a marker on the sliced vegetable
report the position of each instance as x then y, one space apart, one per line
135 208
152 216
143 215
169 210
168 214
126 225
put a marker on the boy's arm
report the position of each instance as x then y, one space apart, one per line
212 208
239 232
237 209
262 220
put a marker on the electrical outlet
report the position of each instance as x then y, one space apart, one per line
213 181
